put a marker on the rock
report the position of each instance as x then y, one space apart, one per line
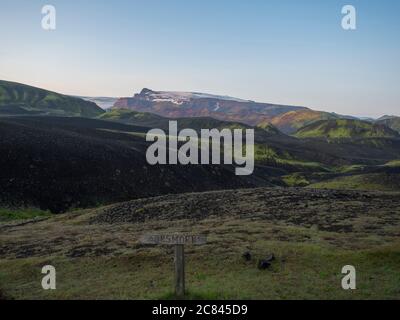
266 263
270 258
247 256
263 264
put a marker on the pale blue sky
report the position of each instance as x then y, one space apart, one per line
280 51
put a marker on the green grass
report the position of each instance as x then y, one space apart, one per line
264 153
316 166
302 271
22 214
125 114
102 261
345 129
350 168
393 163
369 182
295 180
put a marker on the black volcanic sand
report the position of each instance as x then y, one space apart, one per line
58 164
326 210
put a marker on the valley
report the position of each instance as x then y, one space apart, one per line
222 152
77 192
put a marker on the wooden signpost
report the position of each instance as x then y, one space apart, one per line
179 241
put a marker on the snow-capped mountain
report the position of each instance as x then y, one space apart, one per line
179 98
175 104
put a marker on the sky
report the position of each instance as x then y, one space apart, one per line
279 51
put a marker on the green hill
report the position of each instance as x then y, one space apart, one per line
269 128
196 123
371 181
345 129
291 121
132 117
17 99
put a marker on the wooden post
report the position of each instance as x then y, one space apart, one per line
178 241
179 270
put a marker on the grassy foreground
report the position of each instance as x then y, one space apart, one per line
22 214
311 273
106 261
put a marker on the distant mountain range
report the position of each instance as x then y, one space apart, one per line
150 106
286 118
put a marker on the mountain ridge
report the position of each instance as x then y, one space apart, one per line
345 129
21 99
393 122
173 104
151 120
17 98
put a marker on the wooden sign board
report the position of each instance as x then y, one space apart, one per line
179 241
174 239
